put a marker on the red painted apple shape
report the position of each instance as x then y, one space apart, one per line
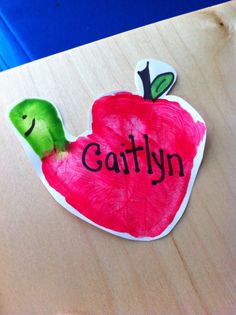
140 203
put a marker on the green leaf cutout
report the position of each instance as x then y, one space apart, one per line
161 84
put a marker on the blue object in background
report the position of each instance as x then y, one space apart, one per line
34 29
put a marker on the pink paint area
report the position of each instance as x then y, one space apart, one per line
121 202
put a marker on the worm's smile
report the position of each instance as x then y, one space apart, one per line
28 132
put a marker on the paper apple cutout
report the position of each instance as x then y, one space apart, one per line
132 173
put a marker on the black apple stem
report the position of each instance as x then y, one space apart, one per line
145 77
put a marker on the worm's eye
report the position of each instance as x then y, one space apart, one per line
24 116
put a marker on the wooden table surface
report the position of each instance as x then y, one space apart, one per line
53 263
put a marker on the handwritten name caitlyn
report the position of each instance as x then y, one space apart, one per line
111 161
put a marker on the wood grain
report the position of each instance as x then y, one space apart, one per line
53 263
